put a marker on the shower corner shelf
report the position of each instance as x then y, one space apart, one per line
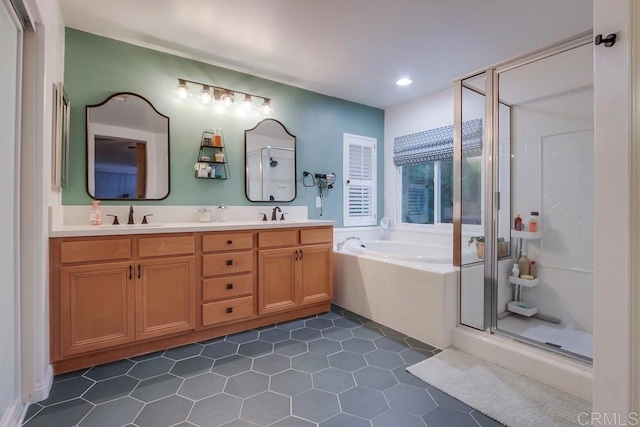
522 308
208 153
529 235
524 282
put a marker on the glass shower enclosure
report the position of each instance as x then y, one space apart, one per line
537 162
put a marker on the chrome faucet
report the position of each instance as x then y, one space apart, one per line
274 216
130 216
343 242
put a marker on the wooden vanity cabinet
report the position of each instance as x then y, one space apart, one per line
228 277
119 296
98 304
298 274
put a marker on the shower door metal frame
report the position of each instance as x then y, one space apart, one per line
491 187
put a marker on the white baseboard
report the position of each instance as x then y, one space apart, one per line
14 415
41 389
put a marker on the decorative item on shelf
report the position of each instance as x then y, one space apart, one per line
203 170
223 98
503 247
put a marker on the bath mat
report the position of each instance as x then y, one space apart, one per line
508 397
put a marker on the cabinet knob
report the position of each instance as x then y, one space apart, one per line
229 262
229 310
229 286
229 242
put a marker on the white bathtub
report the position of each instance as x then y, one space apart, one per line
410 287
407 251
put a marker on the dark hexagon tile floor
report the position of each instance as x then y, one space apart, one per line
337 369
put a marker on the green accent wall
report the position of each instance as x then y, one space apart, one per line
97 67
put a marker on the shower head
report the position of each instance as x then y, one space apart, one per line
273 163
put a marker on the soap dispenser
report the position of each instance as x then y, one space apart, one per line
95 216
222 213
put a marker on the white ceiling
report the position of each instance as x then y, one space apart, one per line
350 49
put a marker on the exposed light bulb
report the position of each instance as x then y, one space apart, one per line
206 95
266 107
247 104
182 90
227 99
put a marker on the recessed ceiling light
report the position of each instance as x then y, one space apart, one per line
404 82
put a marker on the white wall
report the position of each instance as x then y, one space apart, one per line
46 66
611 388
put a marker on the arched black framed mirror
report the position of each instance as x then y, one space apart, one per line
270 163
127 149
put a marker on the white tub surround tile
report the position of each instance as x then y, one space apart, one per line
412 298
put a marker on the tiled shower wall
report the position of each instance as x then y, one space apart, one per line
553 172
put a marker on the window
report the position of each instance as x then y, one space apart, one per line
359 165
427 192
425 164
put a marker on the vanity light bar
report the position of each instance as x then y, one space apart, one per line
221 95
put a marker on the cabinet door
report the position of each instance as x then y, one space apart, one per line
317 274
96 307
277 280
165 296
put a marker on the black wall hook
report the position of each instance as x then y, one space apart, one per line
609 41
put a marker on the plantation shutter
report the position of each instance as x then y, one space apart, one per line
360 180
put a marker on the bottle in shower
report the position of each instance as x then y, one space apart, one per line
533 222
517 223
533 269
524 264
515 271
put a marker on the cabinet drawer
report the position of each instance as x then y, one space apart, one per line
225 311
227 287
316 235
226 241
167 245
227 263
95 250
270 239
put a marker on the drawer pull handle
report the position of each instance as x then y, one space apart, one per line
229 310
139 271
229 242
130 272
229 286
229 262
296 255
301 254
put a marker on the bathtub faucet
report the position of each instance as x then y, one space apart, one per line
343 242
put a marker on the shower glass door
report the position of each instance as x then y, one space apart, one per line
535 160
549 129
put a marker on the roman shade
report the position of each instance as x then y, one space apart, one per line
437 144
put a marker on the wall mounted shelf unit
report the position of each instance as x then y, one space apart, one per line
213 154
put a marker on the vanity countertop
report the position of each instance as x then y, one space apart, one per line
178 227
